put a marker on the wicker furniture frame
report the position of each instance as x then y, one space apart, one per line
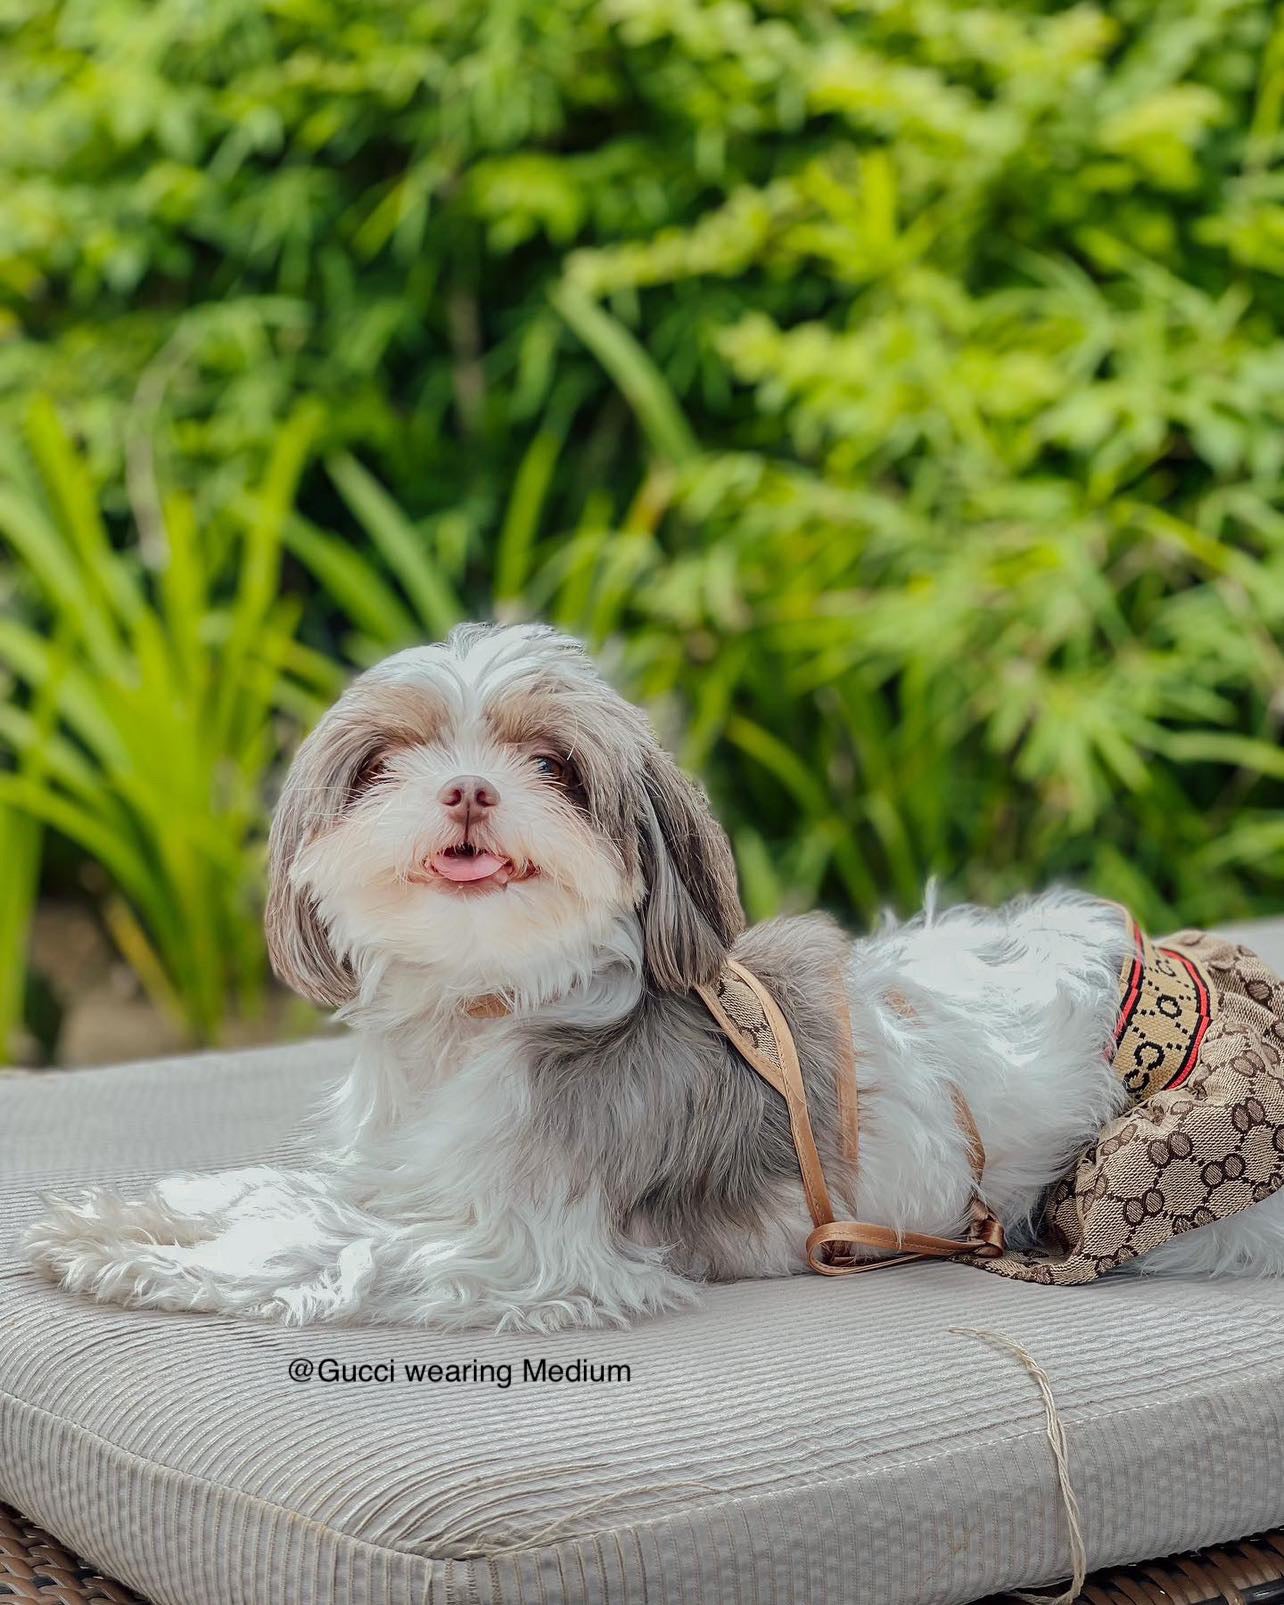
35 1569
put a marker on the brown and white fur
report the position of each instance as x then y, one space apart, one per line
486 862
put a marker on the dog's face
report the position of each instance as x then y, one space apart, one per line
481 808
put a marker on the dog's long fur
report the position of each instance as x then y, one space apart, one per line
542 1126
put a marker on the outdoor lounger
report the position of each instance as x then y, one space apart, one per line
865 1442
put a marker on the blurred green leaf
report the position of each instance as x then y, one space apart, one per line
402 547
892 395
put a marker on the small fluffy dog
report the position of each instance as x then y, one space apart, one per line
486 862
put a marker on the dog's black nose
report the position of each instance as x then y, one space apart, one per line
466 795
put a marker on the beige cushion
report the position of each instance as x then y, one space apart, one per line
799 1441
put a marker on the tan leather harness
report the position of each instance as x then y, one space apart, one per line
744 1008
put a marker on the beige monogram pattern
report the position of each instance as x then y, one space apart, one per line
1200 1045
745 1013
1208 1144
1165 1007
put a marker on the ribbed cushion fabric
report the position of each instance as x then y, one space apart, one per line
799 1441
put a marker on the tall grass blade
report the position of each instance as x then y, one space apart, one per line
353 583
632 370
515 548
403 548
20 847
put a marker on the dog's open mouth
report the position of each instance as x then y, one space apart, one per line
469 866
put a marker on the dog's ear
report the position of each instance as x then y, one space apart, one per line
298 946
691 906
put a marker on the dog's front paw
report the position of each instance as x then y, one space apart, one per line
241 1243
112 1248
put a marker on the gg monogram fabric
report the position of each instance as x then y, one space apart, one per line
741 1015
1166 1003
1200 1043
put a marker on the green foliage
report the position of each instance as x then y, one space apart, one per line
20 854
893 392
144 724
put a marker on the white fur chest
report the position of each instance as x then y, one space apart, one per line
432 1125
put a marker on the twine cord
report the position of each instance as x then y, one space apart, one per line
1057 1443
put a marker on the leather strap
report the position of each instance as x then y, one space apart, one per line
831 1241
489 1007
787 1081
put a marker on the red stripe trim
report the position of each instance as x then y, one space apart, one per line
1205 1016
1132 991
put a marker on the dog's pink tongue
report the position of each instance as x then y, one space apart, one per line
467 867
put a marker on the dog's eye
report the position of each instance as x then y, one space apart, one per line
374 767
549 767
